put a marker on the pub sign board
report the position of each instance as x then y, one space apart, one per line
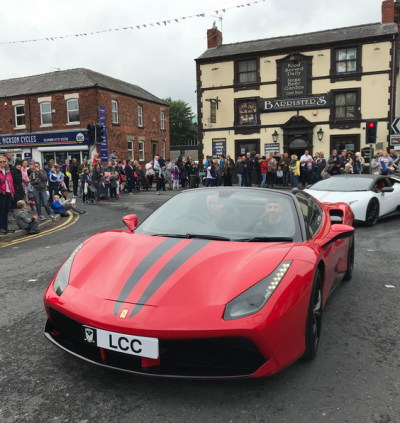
317 101
294 76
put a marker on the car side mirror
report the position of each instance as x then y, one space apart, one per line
337 232
131 221
387 189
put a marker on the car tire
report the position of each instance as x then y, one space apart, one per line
372 214
350 260
314 318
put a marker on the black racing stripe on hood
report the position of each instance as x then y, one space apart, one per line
142 268
170 268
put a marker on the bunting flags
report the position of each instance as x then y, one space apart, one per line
200 15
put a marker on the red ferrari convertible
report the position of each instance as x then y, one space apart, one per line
216 283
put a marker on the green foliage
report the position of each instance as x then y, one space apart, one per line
180 122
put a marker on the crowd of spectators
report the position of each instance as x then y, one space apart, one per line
48 186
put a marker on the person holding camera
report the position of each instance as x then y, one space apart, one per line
38 179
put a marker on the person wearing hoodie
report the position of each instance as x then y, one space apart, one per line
23 220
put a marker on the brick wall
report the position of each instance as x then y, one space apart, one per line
214 37
89 101
127 126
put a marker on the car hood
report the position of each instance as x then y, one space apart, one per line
156 271
336 196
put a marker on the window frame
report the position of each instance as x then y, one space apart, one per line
73 110
130 150
140 115
47 113
114 112
22 125
253 85
345 123
213 112
162 119
141 152
351 75
250 127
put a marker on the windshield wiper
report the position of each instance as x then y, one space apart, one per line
266 239
191 236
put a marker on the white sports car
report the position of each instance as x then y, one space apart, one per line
371 197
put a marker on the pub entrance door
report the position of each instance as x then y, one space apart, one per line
298 146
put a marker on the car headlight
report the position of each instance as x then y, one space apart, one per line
254 299
62 278
352 202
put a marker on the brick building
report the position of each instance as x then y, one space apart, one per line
311 91
45 116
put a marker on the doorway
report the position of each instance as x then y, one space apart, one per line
242 147
154 148
297 147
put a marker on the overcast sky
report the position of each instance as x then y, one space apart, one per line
159 59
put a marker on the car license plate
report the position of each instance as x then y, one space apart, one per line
127 344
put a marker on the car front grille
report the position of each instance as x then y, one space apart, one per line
192 358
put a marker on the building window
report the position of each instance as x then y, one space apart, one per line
73 110
19 115
114 111
346 60
163 149
213 112
130 150
140 115
247 112
346 105
45 113
141 151
247 71
162 120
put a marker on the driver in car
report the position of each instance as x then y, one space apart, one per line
272 222
217 214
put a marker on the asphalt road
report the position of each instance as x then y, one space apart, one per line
355 377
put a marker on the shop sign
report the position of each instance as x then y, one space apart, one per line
294 79
313 102
28 156
44 139
271 148
104 144
218 147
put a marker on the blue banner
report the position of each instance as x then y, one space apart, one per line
104 144
45 139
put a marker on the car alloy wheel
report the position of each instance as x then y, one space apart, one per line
314 318
350 260
372 214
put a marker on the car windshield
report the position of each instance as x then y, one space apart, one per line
227 214
345 184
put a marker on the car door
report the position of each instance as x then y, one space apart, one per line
387 200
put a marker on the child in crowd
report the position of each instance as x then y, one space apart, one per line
57 207
68 204
85 179
23 220
29 194
113 185
175 178
279 177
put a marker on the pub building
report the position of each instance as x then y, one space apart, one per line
289 94
45 117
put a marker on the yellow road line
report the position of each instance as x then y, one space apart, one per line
65 225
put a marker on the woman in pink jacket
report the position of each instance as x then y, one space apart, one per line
6 193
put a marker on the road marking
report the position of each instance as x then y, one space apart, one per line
65 225
32 280
390 286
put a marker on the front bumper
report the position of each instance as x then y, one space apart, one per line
210 358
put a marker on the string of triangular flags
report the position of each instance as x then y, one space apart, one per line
154 24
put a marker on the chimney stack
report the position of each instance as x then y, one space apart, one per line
387 11
214 37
